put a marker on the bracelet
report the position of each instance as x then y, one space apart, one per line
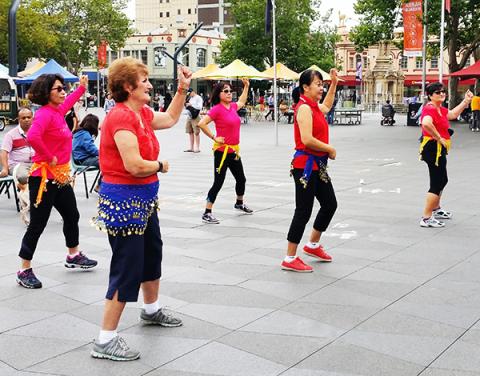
182 91
160 166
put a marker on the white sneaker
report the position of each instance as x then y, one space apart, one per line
442 214
431 222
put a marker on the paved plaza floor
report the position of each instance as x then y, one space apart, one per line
397 300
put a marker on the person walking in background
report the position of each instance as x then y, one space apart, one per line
434 149
49 182
194 106
309 170
271 107
226 145
128 201
109 103
476 112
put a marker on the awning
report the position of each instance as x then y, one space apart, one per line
416 79
92 75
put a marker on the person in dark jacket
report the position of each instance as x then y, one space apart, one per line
84 150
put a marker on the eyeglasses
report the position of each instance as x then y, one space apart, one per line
227 91
59 88
438 92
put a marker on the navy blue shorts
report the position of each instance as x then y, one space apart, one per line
135 259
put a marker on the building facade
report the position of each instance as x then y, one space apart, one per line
381 72
155 14
202 50
215 14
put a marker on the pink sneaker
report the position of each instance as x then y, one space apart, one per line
297 265
318 253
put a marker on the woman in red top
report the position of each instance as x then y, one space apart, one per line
434 149
309 169
127 208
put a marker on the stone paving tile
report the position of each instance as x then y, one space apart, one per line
220 359
286 350
33 350
231 317
345 358
396 296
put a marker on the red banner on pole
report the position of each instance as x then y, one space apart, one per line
412 28
447 5
102 54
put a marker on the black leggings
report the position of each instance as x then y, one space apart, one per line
236 169
438 174
62 199
325 195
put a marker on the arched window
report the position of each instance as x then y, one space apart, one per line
201 57
160 60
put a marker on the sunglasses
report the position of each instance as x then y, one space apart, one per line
438 92
59 88
227 91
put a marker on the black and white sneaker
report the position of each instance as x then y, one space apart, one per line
243 208
209 218
431 222
442 214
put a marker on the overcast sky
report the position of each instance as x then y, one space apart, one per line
346 7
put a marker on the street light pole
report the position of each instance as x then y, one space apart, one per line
177 52
12 39
424 48
442 37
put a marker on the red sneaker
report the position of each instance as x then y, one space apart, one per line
297 265
318 253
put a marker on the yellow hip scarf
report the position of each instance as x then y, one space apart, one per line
61 176
439 148
235 148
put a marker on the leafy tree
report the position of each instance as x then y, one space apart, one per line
379 18
66 30
297 46
35 32
82 25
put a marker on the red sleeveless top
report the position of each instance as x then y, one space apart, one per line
319 131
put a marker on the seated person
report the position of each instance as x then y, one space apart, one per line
283 107
16 150
84 150
387 110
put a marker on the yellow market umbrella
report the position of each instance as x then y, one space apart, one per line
283 73
31 70
205 71
236 69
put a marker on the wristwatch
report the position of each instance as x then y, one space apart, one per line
160 166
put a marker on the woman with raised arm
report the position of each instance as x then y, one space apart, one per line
128 202
226 145
309 170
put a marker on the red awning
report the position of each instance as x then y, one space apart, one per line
472 71
416 79
349 80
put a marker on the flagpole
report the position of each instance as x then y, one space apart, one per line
424 49
442 37
275 108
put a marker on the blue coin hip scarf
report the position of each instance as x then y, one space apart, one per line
124 209
321 162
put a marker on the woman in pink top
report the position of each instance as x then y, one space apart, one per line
226 145
49 181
